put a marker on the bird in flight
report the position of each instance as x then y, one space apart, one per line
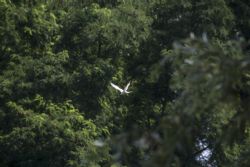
123 91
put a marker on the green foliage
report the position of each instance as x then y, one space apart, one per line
241 11
26 76
213 82
100 42
26 30
41 133
174 20
57 59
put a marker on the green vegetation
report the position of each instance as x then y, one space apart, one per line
189 66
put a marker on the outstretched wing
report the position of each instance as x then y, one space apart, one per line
116 87
126 88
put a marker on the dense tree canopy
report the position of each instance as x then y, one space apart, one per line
189 66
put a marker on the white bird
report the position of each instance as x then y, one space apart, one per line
123 91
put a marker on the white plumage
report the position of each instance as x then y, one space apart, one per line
123 91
